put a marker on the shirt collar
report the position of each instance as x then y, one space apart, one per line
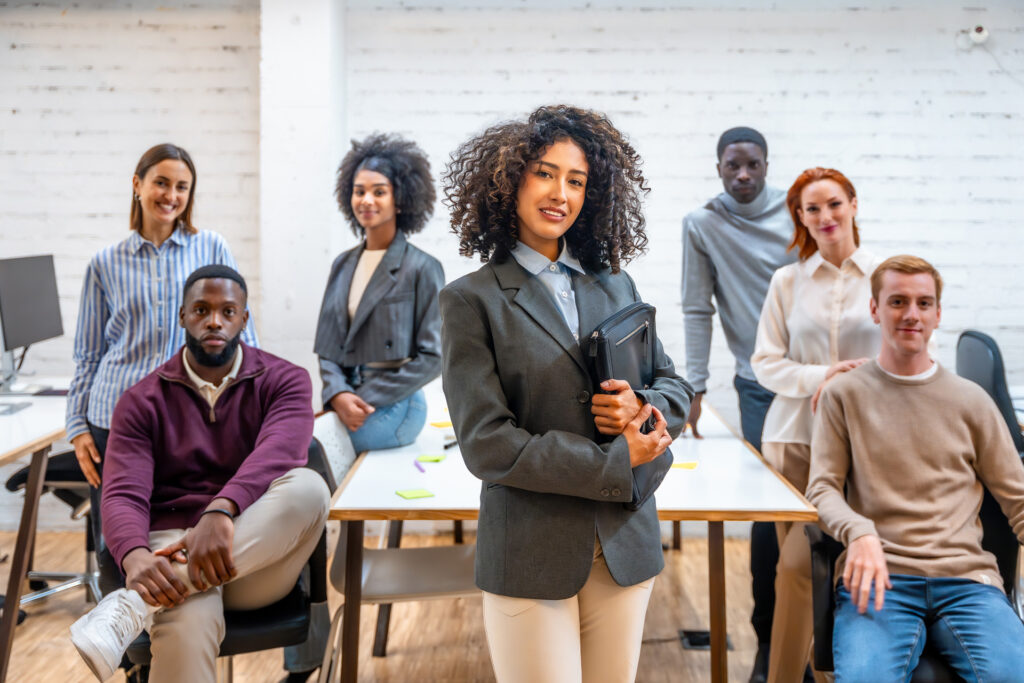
136 240
860 259
535 262
200 382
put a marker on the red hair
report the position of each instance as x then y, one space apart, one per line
802 239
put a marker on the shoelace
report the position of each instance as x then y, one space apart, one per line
124 620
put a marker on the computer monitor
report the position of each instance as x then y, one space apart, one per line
29 308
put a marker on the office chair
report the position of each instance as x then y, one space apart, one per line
283 623
65 480
390 574
979 360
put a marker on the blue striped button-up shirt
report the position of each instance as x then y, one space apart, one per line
128 318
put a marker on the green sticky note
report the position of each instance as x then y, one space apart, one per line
431 457
410 494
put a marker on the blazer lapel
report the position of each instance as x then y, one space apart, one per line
381 282
591 302
332 326
536 302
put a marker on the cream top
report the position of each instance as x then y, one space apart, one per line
368 262
208 390
814 316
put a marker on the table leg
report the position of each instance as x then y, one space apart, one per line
22 548
716 581
353 600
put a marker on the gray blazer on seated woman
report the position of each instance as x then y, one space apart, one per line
379 334
567 570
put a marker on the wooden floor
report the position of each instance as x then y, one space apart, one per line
440 640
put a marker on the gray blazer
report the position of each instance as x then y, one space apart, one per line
518 388
396 318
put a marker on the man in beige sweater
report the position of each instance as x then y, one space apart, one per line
914 445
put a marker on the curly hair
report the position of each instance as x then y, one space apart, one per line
802 240
404 164
482 181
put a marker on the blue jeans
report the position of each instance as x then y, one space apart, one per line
764 543
392 425
971 624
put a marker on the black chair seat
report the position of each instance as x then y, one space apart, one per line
286 622
60 467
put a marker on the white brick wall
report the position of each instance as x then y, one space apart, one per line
85 90
932 135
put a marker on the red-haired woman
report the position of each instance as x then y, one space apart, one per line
814 325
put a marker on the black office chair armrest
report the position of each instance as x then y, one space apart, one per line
824 552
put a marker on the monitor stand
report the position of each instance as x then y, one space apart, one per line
9 383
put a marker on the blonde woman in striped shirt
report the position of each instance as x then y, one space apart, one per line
128 316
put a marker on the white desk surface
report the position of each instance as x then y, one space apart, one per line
730 481
38 425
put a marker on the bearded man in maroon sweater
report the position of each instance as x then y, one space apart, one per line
206 503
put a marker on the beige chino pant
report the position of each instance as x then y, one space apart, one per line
592 637
274 538
793 621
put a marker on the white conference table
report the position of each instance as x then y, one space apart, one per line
730 482
31 430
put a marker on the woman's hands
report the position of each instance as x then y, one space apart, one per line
841 366
351 409
614 410
88 457
644 448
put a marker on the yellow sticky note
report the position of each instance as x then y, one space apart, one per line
409 494
691 465
431 458
442 424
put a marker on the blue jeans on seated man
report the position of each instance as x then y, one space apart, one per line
970 623
390 426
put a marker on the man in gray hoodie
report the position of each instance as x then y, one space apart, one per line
731 247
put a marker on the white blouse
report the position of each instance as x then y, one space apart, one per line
814 316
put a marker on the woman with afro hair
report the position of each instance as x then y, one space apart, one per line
552 206
378 336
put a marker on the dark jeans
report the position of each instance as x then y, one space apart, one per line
764 543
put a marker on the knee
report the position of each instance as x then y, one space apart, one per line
308 498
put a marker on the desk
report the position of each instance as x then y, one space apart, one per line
729 483
31 430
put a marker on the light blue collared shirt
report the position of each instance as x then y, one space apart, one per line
555 277
128 318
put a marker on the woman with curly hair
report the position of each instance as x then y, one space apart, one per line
552 207
378 337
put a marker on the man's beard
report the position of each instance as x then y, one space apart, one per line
212 360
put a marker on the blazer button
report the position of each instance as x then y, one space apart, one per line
616 492
387 344
583 396
605 492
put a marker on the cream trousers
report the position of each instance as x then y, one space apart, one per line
273 539
793 621
592 637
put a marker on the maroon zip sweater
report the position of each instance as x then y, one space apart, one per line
170 454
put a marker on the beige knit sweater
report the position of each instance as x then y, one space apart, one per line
913 455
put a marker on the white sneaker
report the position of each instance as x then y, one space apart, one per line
103 634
